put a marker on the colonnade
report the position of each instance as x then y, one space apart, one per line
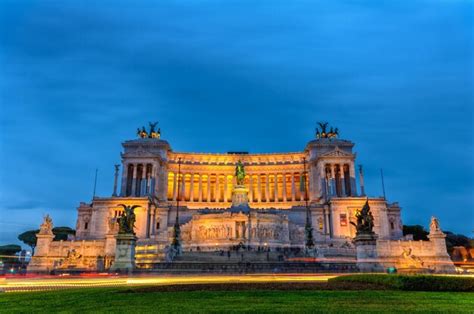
139 179
338 179
216 187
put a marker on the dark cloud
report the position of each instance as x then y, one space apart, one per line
78 78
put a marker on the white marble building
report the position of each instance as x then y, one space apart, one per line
156 178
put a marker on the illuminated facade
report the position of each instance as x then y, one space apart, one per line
280 202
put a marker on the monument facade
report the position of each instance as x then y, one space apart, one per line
221 200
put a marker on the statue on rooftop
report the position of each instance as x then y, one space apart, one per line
153 133
434 225
240 173
126 222
322 131
365 220
47 226
142 133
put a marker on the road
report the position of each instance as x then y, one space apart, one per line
25 284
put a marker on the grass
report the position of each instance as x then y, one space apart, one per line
143 300
407 282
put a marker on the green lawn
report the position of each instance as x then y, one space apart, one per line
142 301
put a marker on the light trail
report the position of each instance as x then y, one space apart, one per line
43 284
54 283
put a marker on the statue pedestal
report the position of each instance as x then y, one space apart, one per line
124 253
240 196
366 248
444 264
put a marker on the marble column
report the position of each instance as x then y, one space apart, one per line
353 179
143 181
333 180
293 188
284 186
302 193
259 188
216 189
200 188
175 186
250 189
276 187
341 178
183 187
125 174
191 188
225 188
208 188
134 181
267 188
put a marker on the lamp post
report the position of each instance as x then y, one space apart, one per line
308 227
176 243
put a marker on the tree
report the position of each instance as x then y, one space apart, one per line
453 240
29 238
9 250
61 233
418 232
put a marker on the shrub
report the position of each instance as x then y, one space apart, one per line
408 282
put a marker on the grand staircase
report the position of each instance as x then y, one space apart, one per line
239 262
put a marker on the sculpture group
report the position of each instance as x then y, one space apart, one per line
142 133
322 131
365 220
126 222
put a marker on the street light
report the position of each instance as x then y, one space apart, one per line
308 227
176 243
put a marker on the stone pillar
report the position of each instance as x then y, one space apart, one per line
267 188
117 167
40 262
366 249
327 220
175 186
284 186
124 253
353 179
341 178
125 174
225 188
302 193
259 187
323 181
200 188
276 187
143 181
293 188
442 260
361 181
216 189
182 186
134 180
208 188
333 179
250 188
191 188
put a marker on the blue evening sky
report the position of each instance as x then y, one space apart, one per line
78 77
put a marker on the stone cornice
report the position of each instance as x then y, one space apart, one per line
232 159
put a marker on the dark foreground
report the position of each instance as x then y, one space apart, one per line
224 298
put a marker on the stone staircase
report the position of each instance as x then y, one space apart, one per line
241 262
